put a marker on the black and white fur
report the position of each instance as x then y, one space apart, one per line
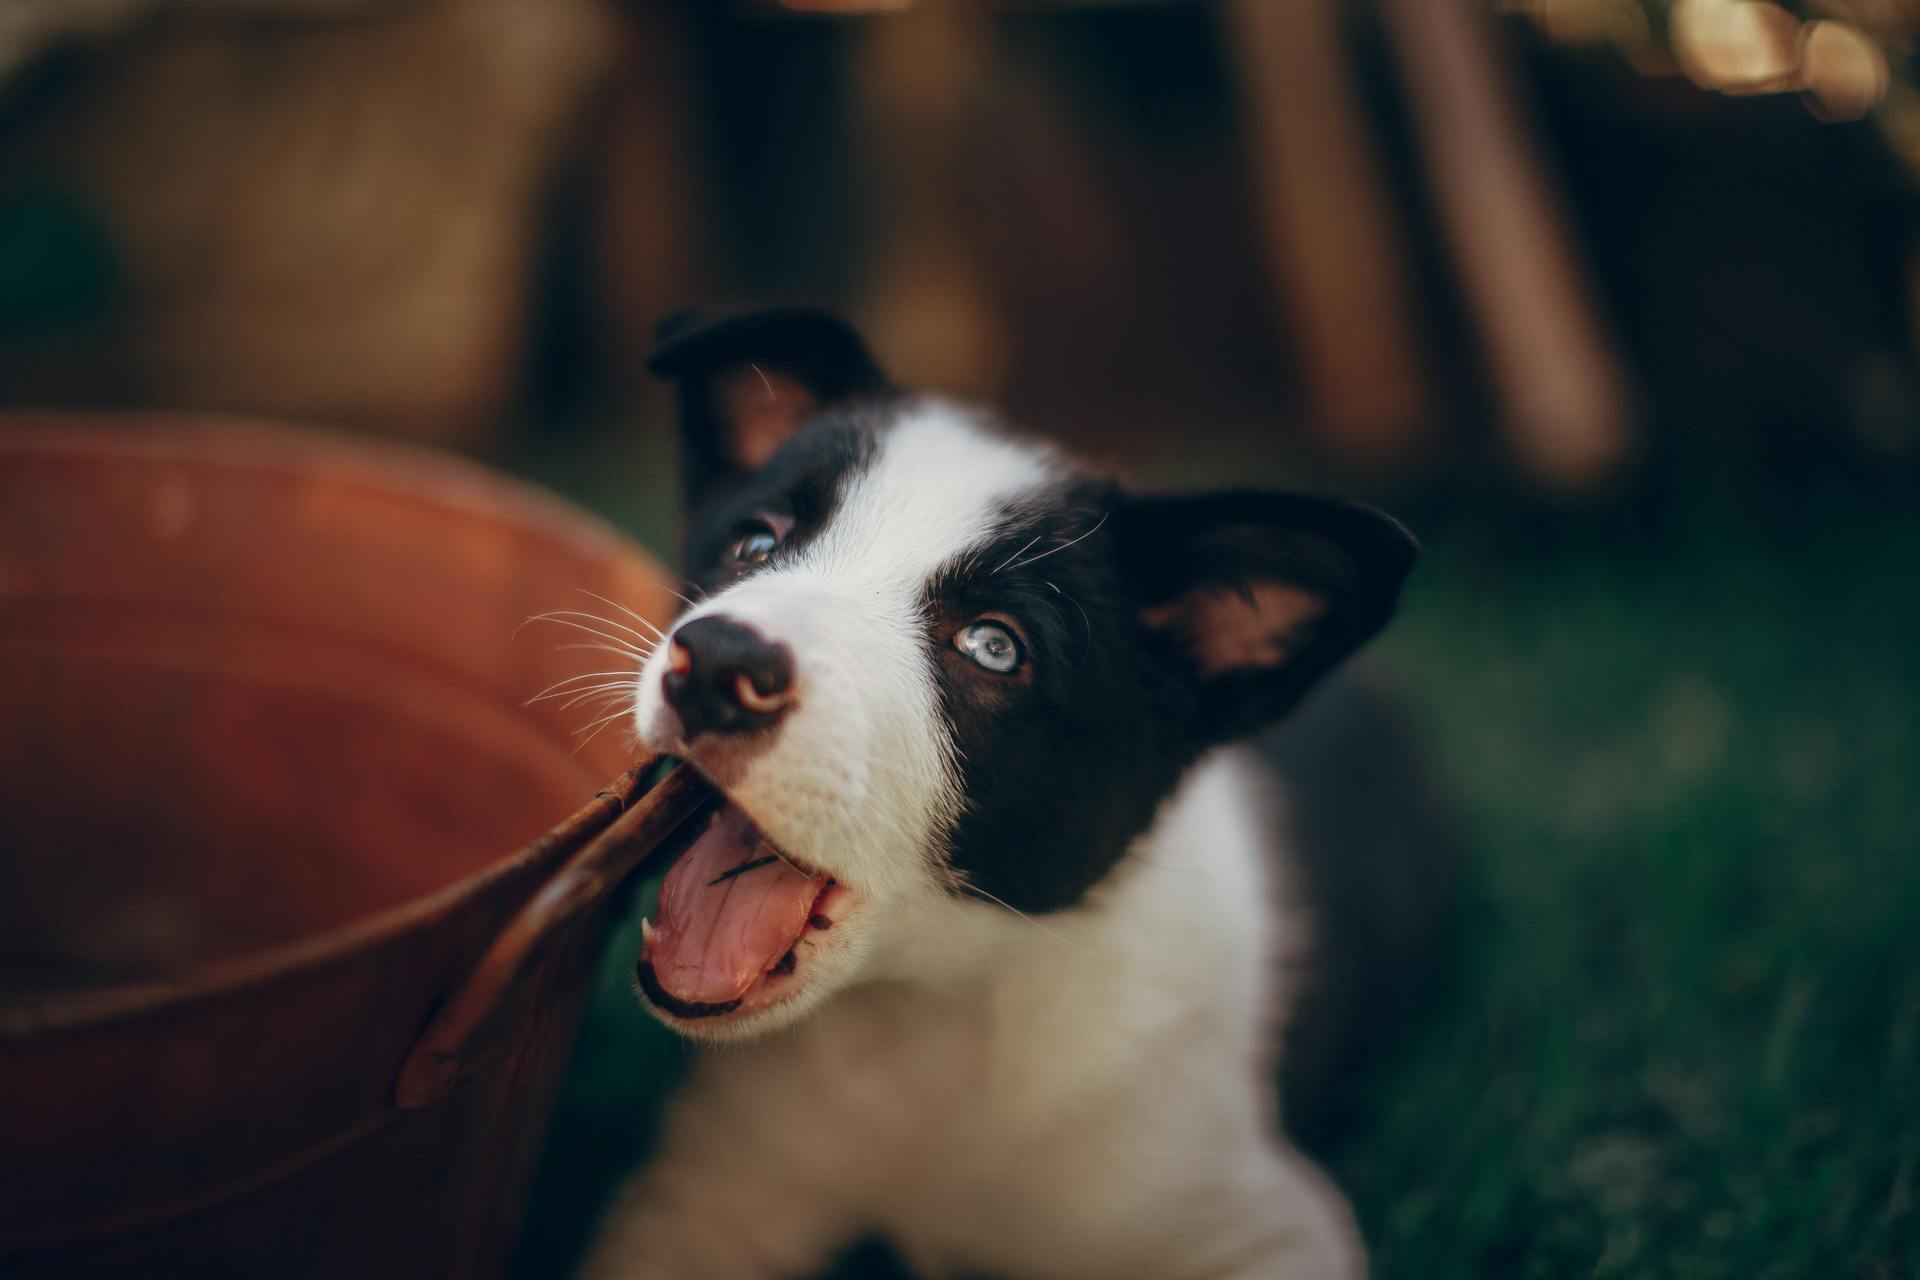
1038 1039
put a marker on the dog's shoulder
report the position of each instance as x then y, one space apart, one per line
1369 851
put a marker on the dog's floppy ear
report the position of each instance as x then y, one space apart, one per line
1254 596
749 379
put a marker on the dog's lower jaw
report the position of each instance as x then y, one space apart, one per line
1095 1102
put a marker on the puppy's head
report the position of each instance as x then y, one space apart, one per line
934 665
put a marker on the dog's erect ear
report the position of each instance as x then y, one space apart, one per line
749 379
1254 596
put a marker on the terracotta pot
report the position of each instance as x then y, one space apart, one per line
291 948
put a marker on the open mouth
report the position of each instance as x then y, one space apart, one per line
735 921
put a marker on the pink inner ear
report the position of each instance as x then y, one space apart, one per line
1228 630
761 409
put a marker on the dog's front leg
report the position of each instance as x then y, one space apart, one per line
748 1183
681 1221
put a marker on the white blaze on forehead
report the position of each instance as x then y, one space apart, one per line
932 493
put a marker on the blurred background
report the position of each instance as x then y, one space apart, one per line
1614 300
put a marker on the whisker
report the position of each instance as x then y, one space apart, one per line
790 862
601 720
1063 546
594 728
614 645
764 382
622 650
1016 555
603 723
1086 623
607 678
975 889
608 686
625 646
638 642
658 634
542 617
557 685
686 599
601 695
563 616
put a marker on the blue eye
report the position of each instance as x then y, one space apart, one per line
755 545
989 644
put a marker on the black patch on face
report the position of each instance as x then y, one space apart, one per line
797 491
1064 761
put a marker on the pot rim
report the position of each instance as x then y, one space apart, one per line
427 477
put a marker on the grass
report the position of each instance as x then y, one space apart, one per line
1681 1032
1684 1034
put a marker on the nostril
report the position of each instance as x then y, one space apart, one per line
723 676
763 704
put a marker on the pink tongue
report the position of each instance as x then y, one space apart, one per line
710 941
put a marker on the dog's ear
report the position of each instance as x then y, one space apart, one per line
1254 596
749 379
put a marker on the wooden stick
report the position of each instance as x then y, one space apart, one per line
455 1034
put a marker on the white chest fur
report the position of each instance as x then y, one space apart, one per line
1085 1094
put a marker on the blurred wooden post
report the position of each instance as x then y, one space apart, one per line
1561 385
651 253
1337 257
928 300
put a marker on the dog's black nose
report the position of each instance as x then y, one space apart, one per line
723 678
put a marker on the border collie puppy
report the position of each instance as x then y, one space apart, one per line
994 919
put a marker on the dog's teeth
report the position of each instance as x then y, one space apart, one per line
646 930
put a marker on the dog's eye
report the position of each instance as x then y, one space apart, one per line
989 644
754 545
